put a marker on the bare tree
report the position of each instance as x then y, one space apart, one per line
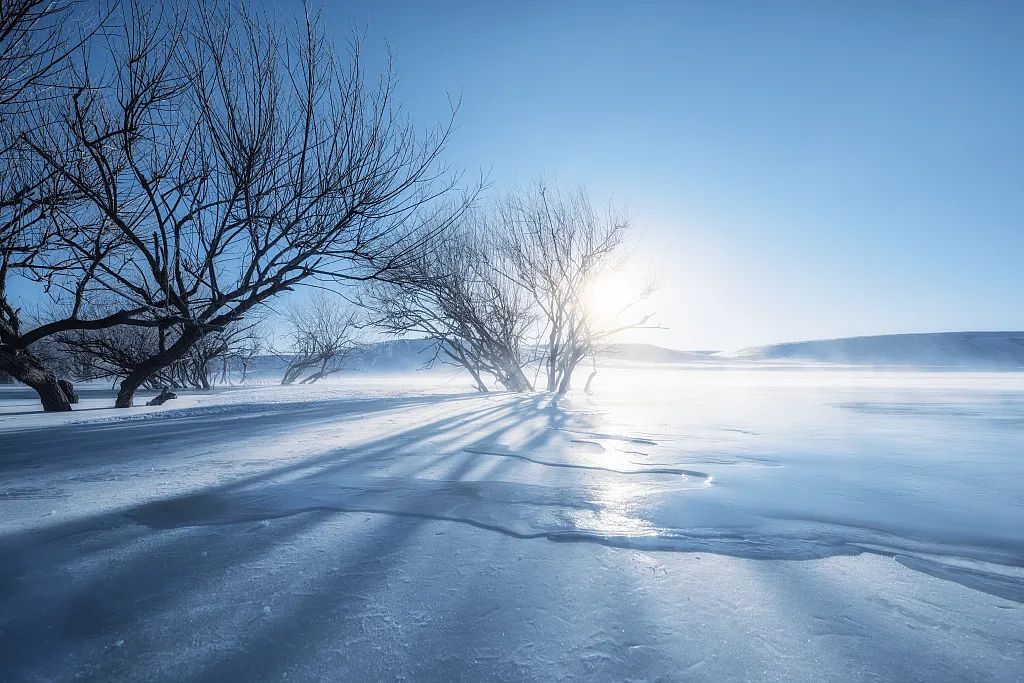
215 354
453 294
116 352
555 245
512 280
35 46
222 164
113 352
241 351
321 334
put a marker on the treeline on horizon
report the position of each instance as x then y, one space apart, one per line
172 170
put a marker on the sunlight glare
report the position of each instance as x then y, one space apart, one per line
610 294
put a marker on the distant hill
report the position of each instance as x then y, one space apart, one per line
406 355
979 350
993 350
648 353
392 356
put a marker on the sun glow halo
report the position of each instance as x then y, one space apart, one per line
611 294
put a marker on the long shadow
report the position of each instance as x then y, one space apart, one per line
140 573
360 572
331 460
153 569
134 438
24 551
343 594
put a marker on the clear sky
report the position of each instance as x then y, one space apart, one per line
796 170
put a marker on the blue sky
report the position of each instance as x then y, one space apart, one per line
796 170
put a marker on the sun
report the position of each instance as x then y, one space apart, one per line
610 295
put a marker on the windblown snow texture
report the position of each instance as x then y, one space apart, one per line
687 522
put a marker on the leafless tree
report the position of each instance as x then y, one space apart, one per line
116 352
35 43
35 48
242 351
554 245
453 294
321 334
220 162
112 352
216 353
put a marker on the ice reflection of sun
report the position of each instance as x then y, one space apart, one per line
623 504
618 504
620 501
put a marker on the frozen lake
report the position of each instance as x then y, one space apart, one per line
710 522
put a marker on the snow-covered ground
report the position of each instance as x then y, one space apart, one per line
684 522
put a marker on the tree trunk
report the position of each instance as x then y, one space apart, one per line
292 372
517 380
315 377
565 381
554 347
69 390
590 379
153 364
457 354
552 372
477 380
563 386
56 395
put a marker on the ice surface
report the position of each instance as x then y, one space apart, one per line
684 522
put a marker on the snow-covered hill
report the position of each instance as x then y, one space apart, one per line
649 353
406 355
990 350
392 356
978 350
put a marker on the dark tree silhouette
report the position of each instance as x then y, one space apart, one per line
35 49
116 352
221 162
